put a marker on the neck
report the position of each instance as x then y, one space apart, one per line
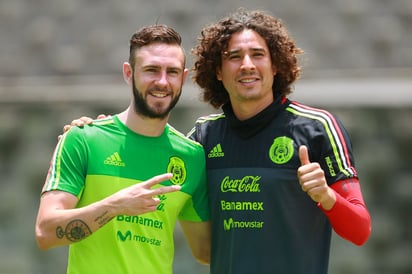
248 109
142 125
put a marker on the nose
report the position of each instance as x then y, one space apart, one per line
247 63
162 80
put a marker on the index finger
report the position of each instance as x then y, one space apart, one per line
158 179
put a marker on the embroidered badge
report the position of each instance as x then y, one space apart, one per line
178 168
281 151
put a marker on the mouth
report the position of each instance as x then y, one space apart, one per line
159 94
248 80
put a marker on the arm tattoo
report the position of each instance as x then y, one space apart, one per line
103 219
75 231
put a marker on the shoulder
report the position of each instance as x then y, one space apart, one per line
307 111
93 131
182 139
210 118
203 124
103 122
315 115
95 126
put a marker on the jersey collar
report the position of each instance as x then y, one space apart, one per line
250 127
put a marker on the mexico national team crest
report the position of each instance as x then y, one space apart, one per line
177 167
281 151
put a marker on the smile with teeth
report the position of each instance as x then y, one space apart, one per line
249 80
159 94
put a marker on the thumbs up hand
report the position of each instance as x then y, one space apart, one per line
313 182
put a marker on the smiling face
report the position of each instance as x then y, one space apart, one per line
157 79
247 73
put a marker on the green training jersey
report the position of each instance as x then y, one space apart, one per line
97 160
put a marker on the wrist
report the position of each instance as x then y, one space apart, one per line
329 199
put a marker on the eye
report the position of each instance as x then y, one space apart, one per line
151 69
234 57
258 53
173 72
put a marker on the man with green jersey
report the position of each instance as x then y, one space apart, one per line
104 196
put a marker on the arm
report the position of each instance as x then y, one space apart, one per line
342 202
198 236
58 220
60 223
349 216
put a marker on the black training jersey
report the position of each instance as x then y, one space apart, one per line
262 221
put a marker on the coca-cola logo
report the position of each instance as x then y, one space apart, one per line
245 184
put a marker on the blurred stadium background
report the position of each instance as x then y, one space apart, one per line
61 59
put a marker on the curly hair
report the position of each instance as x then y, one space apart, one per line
214 39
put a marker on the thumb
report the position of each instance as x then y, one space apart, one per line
303 155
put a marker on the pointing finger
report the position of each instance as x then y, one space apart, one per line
158 179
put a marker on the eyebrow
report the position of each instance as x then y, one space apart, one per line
235 51
159 66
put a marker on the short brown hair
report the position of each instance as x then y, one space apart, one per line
153 34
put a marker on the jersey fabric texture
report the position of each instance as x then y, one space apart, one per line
262 221
99 159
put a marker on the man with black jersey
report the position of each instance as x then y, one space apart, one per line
281 174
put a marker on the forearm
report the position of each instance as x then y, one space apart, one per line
198 237
59 222
349 216
67 226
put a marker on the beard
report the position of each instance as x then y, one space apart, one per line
143 109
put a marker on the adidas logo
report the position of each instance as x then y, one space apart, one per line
114 160
216 152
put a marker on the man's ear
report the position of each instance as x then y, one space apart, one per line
127 72
185 73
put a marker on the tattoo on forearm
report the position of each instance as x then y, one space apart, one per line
75 231
103 219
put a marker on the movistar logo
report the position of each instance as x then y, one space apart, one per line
114 160
123 237
229 224
128 236
216 152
